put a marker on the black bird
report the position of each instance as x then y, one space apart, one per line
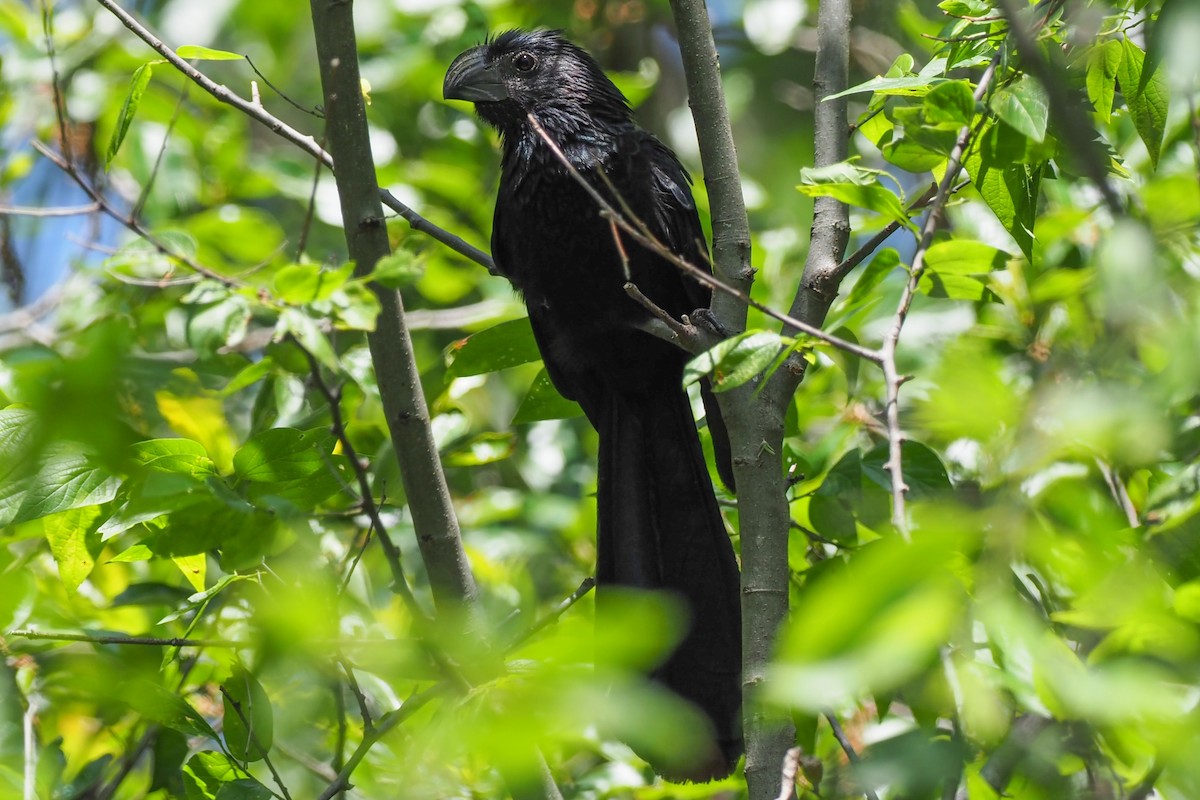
659 523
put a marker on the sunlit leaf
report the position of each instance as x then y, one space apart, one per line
74 543
1024 105
1146 95
195 52
499 347
137 87
1104 61
543 401
179 456
282 454
735 361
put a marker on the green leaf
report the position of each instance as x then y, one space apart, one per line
950 102
924 473
1103 63
398 270
223 324
307 283
249 724
965 8
499 347
194 52
1009 188
282 454
137 552
244 789
209 775
137 87
74 543
66 479
202 419
157 704
735 361
1146 96
486 448
543 401
908 85
897 604
855 186
355 307
249 375
309 334
180 456
954 268
872 275
1023 104
17 437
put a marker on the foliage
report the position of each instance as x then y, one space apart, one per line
185 419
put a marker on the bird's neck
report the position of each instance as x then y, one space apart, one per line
585 146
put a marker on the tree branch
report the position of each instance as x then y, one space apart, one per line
891 374
718 154
390 345
307 143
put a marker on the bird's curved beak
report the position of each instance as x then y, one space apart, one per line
471 78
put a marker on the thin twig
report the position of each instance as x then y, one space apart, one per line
552 617
310 111
277 126
386 723
162 151
391 552
848 748
891 375
133 225
1116 487
310 210
60 105
61 211
149 641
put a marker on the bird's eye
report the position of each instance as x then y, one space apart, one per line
524 62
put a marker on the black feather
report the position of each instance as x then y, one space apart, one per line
659 523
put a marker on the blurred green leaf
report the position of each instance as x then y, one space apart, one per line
157 704
307 283
396 271
249 725
871 625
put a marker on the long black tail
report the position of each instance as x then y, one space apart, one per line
660 528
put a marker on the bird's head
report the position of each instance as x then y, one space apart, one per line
518 72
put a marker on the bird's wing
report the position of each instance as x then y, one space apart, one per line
678 223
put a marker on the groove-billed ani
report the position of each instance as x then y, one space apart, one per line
659 523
